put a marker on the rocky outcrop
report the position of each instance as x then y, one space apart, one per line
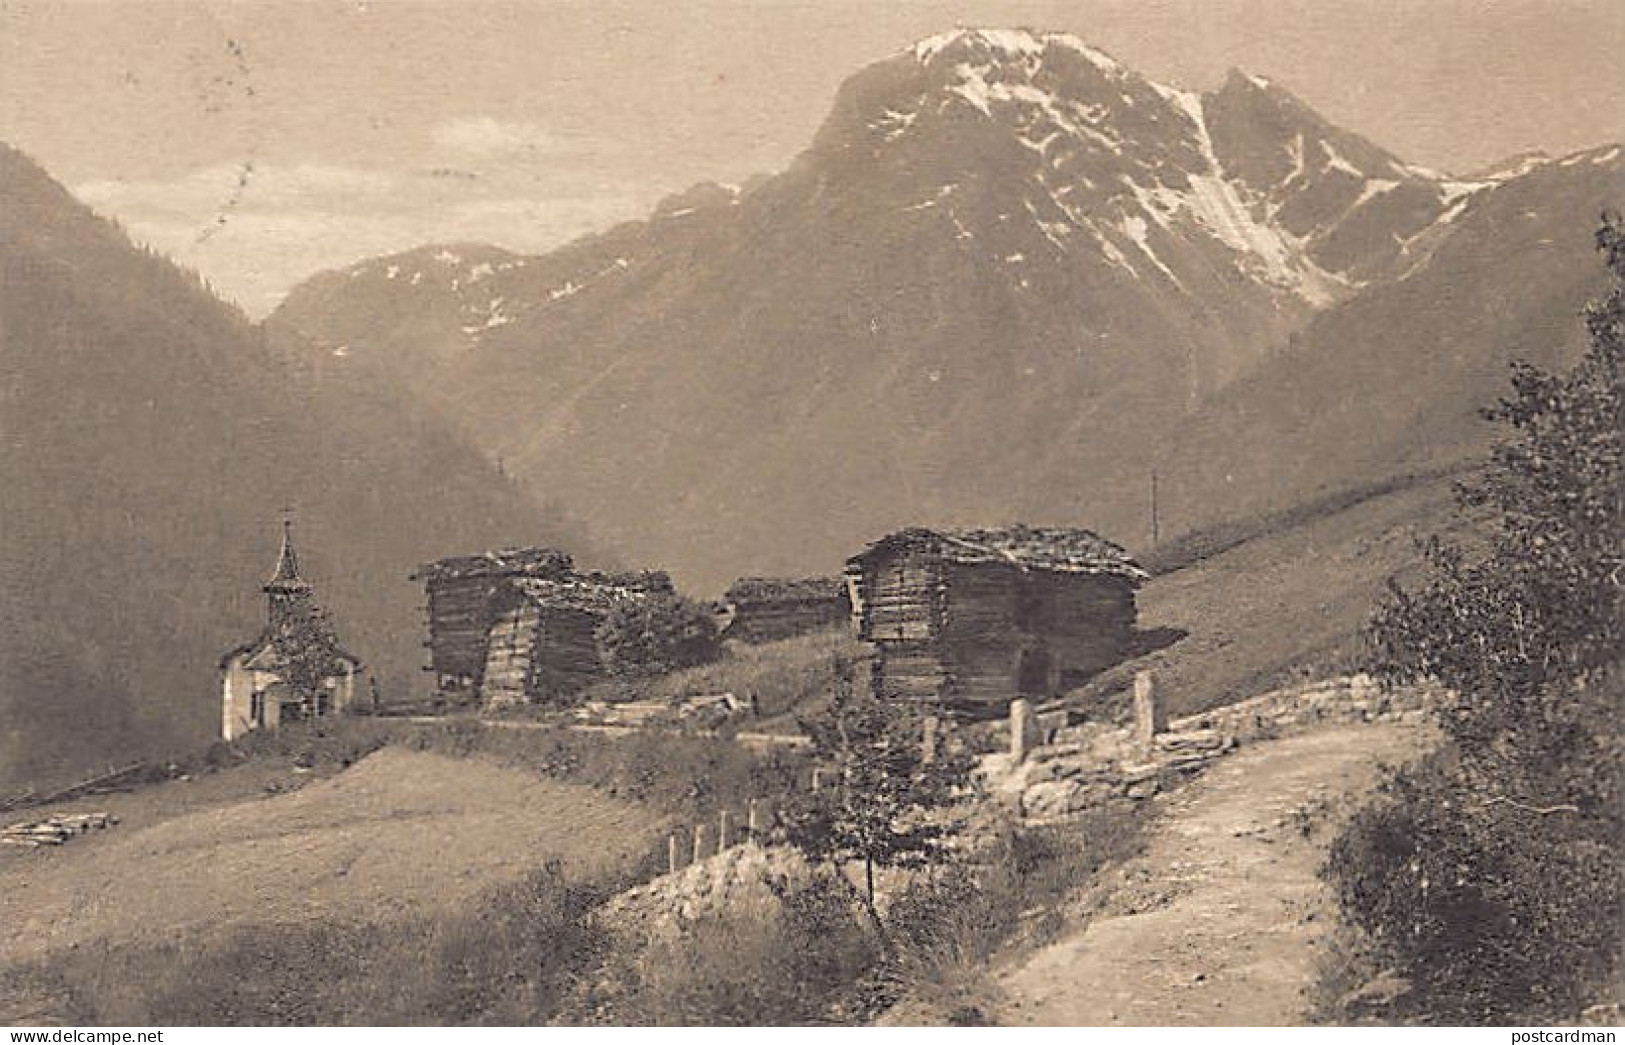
737 878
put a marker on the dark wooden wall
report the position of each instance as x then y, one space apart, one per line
975 636
768 620
540 653
461 612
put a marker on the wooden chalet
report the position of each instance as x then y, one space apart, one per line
543 644
463 604
972 619
765 609
520 625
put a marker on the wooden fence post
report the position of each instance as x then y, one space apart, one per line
928 743
723 830
753 825
672 854
699 842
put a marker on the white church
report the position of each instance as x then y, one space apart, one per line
294 669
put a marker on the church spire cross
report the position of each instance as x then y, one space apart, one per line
287 563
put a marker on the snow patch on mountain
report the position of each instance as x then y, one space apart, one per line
1008 76
1337 162
1217 203
1373 188
1136 229
1013 43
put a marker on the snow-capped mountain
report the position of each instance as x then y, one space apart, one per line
1003 270
1036 150
1131 169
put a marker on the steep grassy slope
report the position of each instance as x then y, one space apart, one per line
1286 601
1392 381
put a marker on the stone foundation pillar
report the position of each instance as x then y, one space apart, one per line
1150 716
1024 733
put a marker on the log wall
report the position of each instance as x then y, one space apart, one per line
902 598
509 649
768 620
566 659
540 654
461 613
975 636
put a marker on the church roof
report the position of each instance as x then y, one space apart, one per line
290 595
286 576
266 641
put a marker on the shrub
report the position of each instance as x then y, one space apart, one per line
519 954
887 804
1487 878
512 957
948 927
1492 913
783 960
656 635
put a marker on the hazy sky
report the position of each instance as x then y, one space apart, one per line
259 142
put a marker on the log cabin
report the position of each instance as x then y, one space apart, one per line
543 645
766 609
463 601
520 625
969 620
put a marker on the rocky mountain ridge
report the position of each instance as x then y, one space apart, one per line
1008 278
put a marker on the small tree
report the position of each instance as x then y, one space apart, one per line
887 804
1487 875
309 651
1544 605
657 634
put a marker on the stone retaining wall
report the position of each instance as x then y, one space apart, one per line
1090 765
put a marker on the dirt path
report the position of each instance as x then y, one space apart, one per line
1217 922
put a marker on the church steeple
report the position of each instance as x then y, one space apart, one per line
295 668
286 577
288 595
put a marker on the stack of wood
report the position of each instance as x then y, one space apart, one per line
53 830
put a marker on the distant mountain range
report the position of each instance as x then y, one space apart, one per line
149 436
1009 278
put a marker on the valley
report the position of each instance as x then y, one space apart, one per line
1047 552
